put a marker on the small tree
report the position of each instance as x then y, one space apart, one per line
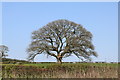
60 39
3 49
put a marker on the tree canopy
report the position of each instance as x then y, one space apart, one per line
3 49
60 39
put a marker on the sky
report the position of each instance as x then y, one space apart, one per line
20 19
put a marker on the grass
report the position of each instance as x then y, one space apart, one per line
11 69
45 65
65 70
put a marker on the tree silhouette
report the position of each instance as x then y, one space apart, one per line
3 49
60 39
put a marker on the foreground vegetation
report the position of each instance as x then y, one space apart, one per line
65 70
12 68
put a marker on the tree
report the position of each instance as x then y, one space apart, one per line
3 49
60 39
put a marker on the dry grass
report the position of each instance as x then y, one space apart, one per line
60 71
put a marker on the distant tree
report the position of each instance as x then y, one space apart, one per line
3 49
60 39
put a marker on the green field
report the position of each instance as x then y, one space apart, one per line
65 70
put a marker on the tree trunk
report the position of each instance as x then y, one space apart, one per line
59 60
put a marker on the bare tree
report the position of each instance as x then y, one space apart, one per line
3 49
60 39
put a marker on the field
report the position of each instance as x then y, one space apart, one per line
65 70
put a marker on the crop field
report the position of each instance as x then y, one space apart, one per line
65 70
